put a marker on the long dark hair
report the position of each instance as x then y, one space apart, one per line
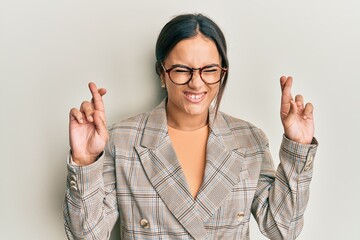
186 26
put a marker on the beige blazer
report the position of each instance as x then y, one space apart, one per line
139 181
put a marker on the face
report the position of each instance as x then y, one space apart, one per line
195 97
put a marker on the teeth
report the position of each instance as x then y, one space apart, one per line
193 96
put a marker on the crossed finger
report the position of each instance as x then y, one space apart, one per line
97 97
286 84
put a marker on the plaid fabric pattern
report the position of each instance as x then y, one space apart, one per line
139 180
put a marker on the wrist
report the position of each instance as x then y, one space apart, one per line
84 160
299 140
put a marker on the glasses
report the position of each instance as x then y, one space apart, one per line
209 74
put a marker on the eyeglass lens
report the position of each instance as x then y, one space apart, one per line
209 74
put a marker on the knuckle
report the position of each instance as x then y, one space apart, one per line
85 103
86 106
74 111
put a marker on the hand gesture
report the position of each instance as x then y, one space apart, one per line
87 128
296 118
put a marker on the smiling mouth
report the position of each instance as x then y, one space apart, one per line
195 98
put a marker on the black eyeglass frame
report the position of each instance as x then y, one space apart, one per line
191 70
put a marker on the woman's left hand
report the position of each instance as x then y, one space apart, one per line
297 118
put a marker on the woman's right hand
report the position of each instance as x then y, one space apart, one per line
87 128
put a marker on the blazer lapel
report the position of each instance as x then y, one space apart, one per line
223 167
163 170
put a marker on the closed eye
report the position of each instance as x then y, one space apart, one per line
210 70
180 70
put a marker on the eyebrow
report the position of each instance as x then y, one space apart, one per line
184 66
180 65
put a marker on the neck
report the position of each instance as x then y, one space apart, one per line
183 121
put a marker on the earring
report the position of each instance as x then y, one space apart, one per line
163 84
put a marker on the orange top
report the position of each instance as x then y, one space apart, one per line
190 149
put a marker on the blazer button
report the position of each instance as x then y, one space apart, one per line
73 185
73 177
74 188
144 223
240 216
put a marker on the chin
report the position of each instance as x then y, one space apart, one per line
196 110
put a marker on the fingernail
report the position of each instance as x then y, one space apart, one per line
305 117
81 120
90 118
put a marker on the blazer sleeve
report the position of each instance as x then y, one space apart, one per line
90 209
281 197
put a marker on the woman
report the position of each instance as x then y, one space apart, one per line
186 170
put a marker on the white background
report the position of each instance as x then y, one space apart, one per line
50 50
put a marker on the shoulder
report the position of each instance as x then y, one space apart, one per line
245 133
132 131
127 130
132 123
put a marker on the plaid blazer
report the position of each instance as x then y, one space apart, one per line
138 179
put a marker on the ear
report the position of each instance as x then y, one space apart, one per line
161 75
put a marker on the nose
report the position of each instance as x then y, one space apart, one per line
196 81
